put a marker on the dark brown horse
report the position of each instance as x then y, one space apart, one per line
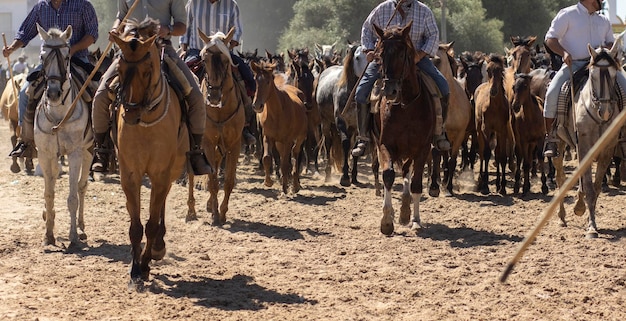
152 140
493 125
282 116
225 118
529 130
407 119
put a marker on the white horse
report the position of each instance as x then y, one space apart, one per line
74 138
595 107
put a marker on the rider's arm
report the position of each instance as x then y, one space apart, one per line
556 47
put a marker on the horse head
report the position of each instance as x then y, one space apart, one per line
603 69
397 60
445 61
521 91
495 73
279 59
141 83
217 63
264 75
55 56
520 55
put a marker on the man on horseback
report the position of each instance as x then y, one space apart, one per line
50 13
211 17
425 37
166 11
571 30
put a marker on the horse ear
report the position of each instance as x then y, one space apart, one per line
333 45
203 36
531 40
150 41
406 30
378 31
318 47
118 41
292 54
67 34
617 45
254 66
268 54
229 36
42 33
592 52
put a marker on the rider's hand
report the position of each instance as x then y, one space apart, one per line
113 31
369 56
233 44
567 59
6 51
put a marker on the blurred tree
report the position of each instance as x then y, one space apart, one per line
106 11
469 28
325 21
263 23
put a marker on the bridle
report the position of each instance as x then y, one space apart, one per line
63 63
125 89
605 98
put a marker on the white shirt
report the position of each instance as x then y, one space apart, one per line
575 27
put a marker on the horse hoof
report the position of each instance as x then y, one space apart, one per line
191 216
157 254
49 240
268 183
15 168
136 285
82 236
416 226
386 228
433 192
544 190
345 181
591 235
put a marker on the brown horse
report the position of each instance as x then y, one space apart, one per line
407 119
457 119
520 61
529 130
493 125
225 118
152 140
282 116
9 104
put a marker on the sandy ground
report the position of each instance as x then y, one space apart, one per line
317 255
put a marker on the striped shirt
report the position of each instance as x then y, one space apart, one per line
210 18
424 31
166 11
80 14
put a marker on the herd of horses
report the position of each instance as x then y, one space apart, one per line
301 108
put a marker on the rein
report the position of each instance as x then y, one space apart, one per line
606 96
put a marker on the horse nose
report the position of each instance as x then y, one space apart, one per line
53 93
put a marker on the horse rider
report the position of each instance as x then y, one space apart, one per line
570 31
425 37
172 17
81 15
220 16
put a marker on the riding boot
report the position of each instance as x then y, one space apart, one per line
26 145
550 148
100 163
199 163
440 141
363 126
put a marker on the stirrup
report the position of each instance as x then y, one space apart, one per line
550 149
18 150
100 163
199 163
361 146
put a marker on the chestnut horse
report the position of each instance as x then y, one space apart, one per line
152 140
521 62
282 116
407 118
529 130
595 107
225 118
456 122
74 138
493 125
9 104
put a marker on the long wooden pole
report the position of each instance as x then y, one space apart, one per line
4 39
585 164
70 111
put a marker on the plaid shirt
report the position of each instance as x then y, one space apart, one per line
424 32
80 14
210 18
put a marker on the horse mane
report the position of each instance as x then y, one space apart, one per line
146 28
606 55
348 67
55 32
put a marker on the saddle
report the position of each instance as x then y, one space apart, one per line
428 81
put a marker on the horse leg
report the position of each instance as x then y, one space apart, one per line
405 208
557 163
72 197
345 145
451 167
435 174
617 176
229 181
214 185
131 185
268 147
298 156
49 167
375 171
86 158
155 227
15 167
386 223
191 199
483 181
